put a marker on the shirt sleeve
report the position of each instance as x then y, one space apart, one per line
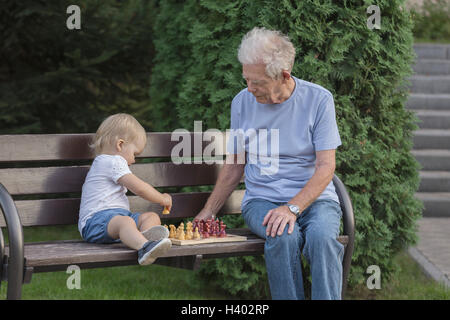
235 140
119 168
325 131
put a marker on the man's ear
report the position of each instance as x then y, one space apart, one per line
286 74
119 144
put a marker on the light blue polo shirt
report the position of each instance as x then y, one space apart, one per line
281 140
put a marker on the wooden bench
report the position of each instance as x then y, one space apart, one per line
40 184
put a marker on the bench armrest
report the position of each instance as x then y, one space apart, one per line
348 220
16 246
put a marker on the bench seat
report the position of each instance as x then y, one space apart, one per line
58 255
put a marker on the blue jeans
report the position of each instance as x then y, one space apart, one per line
96 228
314 236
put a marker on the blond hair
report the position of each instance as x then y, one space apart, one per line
115 127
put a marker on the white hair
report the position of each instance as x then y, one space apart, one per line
269 47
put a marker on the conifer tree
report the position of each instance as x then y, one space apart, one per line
197 74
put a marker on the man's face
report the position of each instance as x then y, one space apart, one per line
265 89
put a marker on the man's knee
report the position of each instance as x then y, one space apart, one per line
289 241
317 238
320 243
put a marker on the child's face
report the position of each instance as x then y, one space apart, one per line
129 150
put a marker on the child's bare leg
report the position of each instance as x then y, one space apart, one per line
149 224
124 228
147 220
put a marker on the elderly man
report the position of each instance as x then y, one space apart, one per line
294 207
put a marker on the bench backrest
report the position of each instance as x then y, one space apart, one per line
45 173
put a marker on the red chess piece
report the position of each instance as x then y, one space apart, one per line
218 228
222 230
195 223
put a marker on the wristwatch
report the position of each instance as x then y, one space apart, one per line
294 209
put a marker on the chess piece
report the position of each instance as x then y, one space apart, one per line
196 235
189 233
222 232
181 235
166 210
207 228
195 224
172 233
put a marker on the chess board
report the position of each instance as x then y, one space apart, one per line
228 238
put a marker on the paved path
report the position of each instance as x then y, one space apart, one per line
433 249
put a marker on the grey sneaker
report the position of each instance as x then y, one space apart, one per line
152 250
156 233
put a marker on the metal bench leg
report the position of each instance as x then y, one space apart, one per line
349 229
16 251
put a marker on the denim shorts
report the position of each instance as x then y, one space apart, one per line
96 228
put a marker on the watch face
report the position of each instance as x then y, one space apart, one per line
293 208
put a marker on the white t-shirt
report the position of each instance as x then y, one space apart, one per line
101 190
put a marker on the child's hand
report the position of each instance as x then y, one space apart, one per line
167 201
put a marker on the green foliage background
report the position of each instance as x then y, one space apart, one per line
432 20
197 74
171 62
55 80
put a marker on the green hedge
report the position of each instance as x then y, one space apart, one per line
196 75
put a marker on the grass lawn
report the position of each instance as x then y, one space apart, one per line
131 282
409 284
166 283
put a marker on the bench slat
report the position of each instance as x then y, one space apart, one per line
65 211
52 256
24 181
48 255
45 147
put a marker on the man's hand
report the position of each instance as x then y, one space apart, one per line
204 215
276 220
